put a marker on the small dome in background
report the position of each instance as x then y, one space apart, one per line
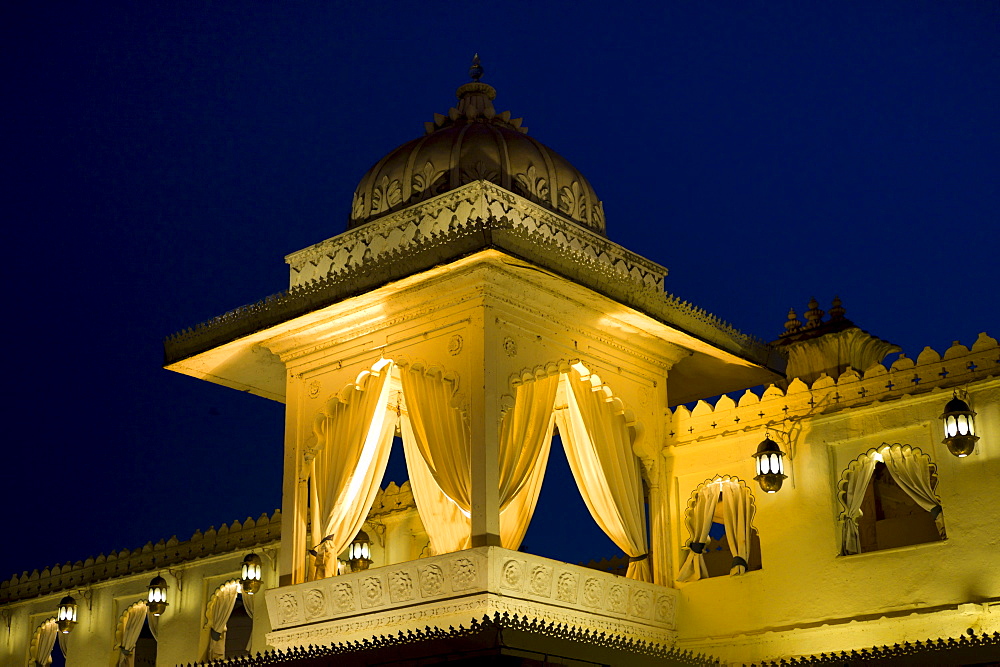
475 143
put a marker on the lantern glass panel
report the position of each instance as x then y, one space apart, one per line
950 427
972 425
776 463
963 425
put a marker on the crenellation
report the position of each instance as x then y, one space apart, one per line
851 389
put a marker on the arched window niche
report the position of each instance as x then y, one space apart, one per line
43 641
135 637
888 499
719 517
228 617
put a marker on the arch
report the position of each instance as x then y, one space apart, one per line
43 641
128 629
217 613
353 436
710 555
888 499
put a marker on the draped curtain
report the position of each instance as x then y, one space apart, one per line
448 528
737 516
219 609
852 493
912 471
354 438
132 621
599 450
440 433
699 523
525 440
46 640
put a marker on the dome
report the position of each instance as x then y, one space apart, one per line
472 143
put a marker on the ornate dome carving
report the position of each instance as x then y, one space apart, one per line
473 142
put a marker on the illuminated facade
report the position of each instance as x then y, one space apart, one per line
474 307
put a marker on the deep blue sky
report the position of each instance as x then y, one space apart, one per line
161 158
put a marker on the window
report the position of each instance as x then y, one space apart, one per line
888 499
723 541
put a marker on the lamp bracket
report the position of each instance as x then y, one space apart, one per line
177 574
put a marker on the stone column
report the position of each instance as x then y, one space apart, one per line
294 496
485 418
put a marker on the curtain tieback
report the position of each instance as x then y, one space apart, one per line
936 511
636 559
697 547
740 561
216 636
126 651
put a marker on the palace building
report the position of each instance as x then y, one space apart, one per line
819 498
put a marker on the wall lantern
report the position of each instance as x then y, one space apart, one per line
156 602
66 615
959 427
250 574
770 466
359 553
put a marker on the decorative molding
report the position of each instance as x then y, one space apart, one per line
482 580
157 556
958 366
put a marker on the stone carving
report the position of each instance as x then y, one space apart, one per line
315 603
616 599
431 580
358 206
541 580
512 574
386 195
343 597
288 606
566 587
480 171
463 574
314 388
510 346
426 181
641 602
664 609
532 186
592 591
455 345
573 201
371 592
400 586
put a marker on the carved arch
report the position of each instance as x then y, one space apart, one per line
36 635
876 453
693 497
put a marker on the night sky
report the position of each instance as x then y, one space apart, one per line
160 159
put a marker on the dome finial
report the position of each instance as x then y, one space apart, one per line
476 71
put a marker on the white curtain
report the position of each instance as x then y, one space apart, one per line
525 440
912 471
46 640
852 493
354 438
699 524
599 450
448 528
248 606
737 516
219 609
131 622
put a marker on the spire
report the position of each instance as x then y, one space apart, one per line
476 71
814 316
793 324
837 312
